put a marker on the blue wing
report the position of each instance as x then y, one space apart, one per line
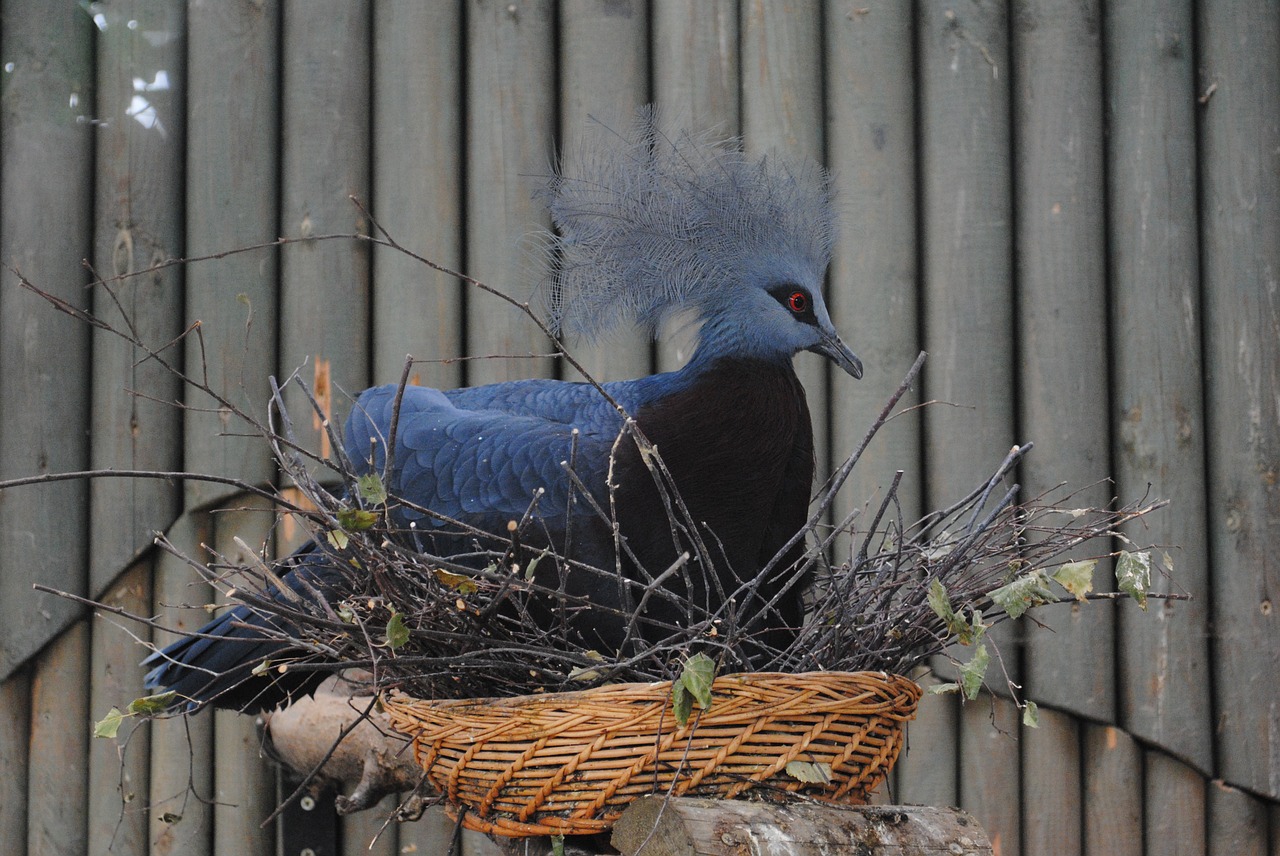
480 455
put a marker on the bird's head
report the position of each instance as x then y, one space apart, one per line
652 223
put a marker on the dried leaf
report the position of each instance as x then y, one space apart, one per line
461 583
1030 715
337 539
943 689
1076 577
152 704
810 772
356 519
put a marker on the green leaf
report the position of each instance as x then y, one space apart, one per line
1023 593
371 489
811 772
694 684
109 725
1030 715
697 676
1076 577
337 539
533 564
943 689
966 632
1133 575
356 519
152 704
972 672
557 845
681 702
397 632
588 673
262 668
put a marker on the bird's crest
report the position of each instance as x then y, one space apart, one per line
650 223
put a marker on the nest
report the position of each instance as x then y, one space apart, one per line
485 625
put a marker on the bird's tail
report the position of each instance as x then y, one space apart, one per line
238 660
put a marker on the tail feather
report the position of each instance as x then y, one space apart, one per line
233 661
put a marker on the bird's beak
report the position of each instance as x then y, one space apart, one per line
838 352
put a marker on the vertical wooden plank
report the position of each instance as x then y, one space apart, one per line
989 762
871 149
1240 223
428 835
695 80
57 784
510 129
15 707
232 181
1158 396
138 222
967 294
324 285
181 817
244 781
1052 796
417 193
119 768
1062 319
1237 822
1175 804
782 112
604 75
46 151
362 833
926 770
1112 792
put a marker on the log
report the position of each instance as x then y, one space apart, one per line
659 826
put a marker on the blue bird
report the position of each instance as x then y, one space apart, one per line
650 225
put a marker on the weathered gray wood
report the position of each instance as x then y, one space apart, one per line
244 782
696 80
967 231
1175 807
926 772
46 150
138 222
363 833
871 149
1237 822
604 76
324 285
1112 765
510 128
688 826
417 188
119 768
181 819
232 182
782 112
430 833
1158 395
57 776
1240 228
15 707
990 780
1062 320
1052 792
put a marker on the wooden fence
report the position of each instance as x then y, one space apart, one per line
1074 208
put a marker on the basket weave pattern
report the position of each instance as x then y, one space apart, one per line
569 763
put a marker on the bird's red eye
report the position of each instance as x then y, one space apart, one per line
798 301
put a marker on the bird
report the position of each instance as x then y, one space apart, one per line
651 226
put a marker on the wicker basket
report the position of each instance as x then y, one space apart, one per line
569 763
